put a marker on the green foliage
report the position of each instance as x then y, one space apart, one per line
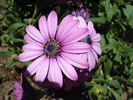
5 53
115 65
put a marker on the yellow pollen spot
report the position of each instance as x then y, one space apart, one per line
57 45
48 56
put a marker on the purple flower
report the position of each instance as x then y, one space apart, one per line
23 90
80 10
55 49
83 76
18 91
93 39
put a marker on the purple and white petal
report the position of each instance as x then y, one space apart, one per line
77 47
29 55
30 40
84 56
67 27
34 66
96 38
75 60
75 36
62 26
33 47
67 68
91 60
55 74
90 26
95 55
43 27
35 34
82 22
42 71
97 49
52 24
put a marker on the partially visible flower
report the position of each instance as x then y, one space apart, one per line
83 76
55 48
23 90
80 10
93 39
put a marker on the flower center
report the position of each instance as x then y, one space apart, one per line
51 48
87 39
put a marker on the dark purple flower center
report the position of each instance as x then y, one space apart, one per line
51 48
87 39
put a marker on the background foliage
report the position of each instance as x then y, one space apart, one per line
113 19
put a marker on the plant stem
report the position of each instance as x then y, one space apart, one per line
34 14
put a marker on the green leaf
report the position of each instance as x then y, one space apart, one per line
111 12
130 84
108 67
105 89
15 26
100 20
131 99
130 22
119 90
126 53
12 1
103 41
119 77
15 40
116 95
107 5
3 6
26 63
114 83
11 63
89 84
5 53
130 79
90 94
101 81
114 43
128 11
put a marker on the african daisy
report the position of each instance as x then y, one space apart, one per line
55 49
93 39
23 90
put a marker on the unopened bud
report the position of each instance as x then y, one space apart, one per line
5 38
14 57
109 78
98 90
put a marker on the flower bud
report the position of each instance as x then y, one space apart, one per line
5 38
109 77
14 57
98 90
